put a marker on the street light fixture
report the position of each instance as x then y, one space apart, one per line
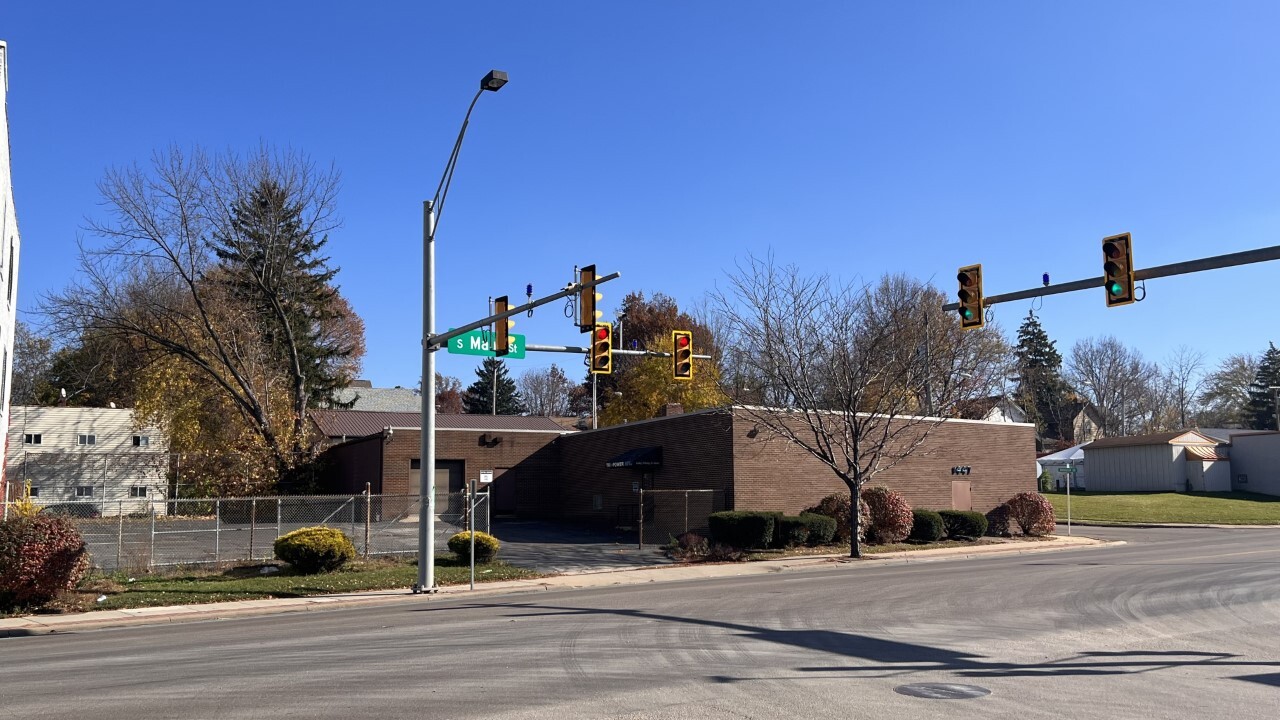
432 210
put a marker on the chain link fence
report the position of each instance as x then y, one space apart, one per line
127 535
665 514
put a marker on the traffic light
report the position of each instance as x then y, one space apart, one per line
1117 269
501 336
601 348
681 355
587 297
970 295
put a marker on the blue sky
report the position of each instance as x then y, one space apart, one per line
665 140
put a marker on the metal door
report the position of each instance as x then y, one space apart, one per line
961 495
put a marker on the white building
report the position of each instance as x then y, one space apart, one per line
95 456
1165 462
1255 462
9 244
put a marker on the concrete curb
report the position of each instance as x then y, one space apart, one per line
101 619
1147 525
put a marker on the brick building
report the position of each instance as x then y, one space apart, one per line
963 464
384 450
592 476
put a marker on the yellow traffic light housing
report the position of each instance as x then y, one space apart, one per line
1117 269
970 294
681 355
587 297
502 327
601 348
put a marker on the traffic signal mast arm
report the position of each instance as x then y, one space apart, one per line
580 350
1246 257
439 340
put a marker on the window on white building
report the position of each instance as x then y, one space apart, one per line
35 491
141 440
84 491
138 491
87 440
31 438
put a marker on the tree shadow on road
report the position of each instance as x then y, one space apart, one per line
887 657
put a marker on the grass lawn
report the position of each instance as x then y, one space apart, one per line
1235 508
247 583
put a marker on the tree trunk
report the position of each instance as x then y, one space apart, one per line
855 497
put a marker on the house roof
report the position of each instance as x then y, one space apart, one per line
1178 437
980 408
358 423
380 399
1225 434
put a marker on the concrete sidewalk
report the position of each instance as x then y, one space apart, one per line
47 624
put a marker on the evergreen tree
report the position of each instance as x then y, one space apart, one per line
1261 411
478 398
270 260
1042 393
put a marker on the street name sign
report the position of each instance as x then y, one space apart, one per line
480 342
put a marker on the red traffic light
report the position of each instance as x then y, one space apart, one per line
601 333
681 355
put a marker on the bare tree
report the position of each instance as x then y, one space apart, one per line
1116 380
212 260
845 371
1183 379
545 391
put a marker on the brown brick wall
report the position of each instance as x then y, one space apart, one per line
530 457
352 464
697 454
770 475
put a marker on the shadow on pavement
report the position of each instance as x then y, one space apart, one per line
552 547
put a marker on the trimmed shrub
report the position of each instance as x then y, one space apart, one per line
998 521
791 531
891 518
836 506
40 556
487 546
1046 481
927 526
1032 512
822 529
964 523
315 549
742 529
687 546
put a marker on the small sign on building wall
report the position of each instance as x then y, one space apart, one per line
486 476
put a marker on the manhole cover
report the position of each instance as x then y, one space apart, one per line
942 691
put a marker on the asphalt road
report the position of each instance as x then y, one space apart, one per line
1177 624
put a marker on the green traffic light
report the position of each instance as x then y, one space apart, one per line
1116 288
967 313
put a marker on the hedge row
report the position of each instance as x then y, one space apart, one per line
756 529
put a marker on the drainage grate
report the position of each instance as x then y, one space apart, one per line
942 691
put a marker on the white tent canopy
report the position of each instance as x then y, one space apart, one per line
1073 456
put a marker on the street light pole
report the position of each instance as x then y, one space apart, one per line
431 211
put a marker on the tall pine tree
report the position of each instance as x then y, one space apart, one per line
1261 410
272 261
1042 393
478 398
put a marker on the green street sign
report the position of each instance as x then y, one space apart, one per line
480 342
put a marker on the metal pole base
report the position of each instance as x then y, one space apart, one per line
418 590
